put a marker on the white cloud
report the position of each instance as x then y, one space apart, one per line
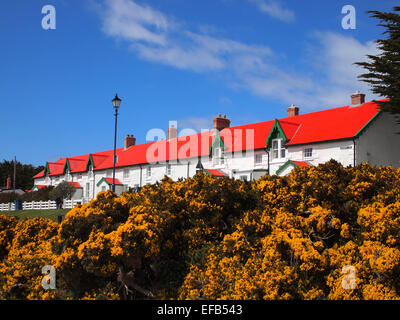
274 9
132 22
331 79
225 100
154 37
195 123
331 75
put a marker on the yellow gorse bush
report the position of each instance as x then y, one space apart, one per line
218 238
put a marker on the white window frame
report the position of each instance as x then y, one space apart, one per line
148 172
307 154
90 172
218 158
276 153
126 174
87 193
258 158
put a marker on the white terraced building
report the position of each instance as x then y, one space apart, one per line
351 135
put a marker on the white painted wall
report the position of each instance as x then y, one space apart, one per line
341 151
379 144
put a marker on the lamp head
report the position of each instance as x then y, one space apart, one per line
116 101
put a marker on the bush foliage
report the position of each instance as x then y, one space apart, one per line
218 238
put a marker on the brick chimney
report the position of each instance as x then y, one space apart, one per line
129 141
292 111
172 129
8 183
221 123
357 98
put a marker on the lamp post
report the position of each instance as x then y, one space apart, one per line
199 166
116 103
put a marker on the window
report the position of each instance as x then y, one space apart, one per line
169 169
218 156
90 174
80 176
87 190
278 149
68 176
243 178
307 152
109 173
126 173
148 172
259 158
103 188
275 149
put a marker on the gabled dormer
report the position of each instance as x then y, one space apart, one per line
217 149
276 142
46 171
67 167
90 163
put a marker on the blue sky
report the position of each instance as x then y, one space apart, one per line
179 60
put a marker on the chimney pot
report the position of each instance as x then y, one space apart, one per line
8 183
221 123
173 129
357 98
292 111
129 141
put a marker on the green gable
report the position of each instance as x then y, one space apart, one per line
101 180
89 162
46 169
285 165
66 166
275 133
216 143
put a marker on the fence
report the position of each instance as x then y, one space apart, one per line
7 206
40 205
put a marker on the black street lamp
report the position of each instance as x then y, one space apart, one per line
199 166
116 103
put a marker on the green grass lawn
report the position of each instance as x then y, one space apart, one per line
51 214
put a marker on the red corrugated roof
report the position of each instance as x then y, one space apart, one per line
216 172
76 185
39 175
301 163
56 168
110 181
332 124
77 164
